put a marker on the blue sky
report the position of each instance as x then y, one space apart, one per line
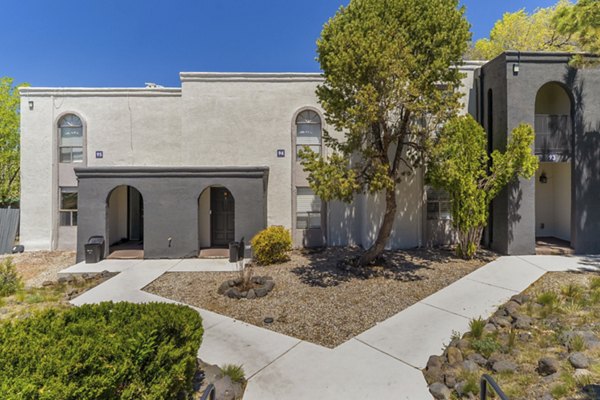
129 42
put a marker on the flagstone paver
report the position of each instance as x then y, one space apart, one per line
384 362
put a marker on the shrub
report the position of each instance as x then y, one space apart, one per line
235 372
104 351
10 281
476 326
549 299
271 245
485 346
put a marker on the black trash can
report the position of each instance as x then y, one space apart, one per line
234 252
94 249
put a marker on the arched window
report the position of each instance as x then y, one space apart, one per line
70 136
308 131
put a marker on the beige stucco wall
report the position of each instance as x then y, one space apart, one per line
553 201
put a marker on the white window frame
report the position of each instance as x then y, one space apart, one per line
313 214
71 213
69 148
309 117
439 200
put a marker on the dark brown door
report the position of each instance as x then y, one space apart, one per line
222 215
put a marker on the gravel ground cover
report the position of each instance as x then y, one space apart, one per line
36 267
317 301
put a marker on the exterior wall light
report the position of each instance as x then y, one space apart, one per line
543 178
516 68
31 104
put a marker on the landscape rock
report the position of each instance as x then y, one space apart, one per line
62 280
261 291
525 336
224 389
477 359
233 293
251 294
454 356
224 287
522 321
511 308
435 362
548 366
504 366
460 388
450 379
440 391
501 322
581 373
470 366
463 344
579 360
212 373
520 298
589 338
47 283
490 328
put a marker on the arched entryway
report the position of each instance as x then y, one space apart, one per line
553 127
216 218
125 223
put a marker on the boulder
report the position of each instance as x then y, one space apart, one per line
251 294
581 373
463 344
224 287
450 379
511 308
579 360
522 321
224 389
261 291
233 293
212 373
440 391
62 280
490 328
470 366
520 298
504 366
501 322
525 336
454 356
435 362
477 359
47 283
548 366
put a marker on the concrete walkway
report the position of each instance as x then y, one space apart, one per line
383 362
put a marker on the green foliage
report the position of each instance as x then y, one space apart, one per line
272 245
9 142
235 372
10 282
105 351
512 339
572 291
595 283
460 165
486 346
576 343
389 81
476 326
582 22
549 299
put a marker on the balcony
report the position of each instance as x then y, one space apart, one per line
553 137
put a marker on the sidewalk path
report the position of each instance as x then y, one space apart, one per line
383 362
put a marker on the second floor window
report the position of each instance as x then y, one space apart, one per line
308 131
70 137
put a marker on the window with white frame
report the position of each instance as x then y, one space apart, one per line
70 132
308 209
438 205
308 131
68 206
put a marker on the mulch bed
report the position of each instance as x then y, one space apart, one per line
317 301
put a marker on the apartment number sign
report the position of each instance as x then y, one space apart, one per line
281 153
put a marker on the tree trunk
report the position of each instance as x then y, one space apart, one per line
384 231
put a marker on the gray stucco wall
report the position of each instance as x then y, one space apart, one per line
170 197
514 103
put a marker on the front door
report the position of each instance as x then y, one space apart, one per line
222 215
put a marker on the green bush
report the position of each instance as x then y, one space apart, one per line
235 372
271 245
104 351
10 281
476 326
486 346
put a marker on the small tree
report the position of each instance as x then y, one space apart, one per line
389 80
461 166
9 142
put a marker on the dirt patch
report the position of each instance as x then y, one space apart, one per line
35 267
316 300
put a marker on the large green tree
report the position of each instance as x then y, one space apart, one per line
461 166
583 22
526 32
9 142
389 82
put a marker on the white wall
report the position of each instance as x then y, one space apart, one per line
553 201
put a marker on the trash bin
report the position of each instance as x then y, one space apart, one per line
241 250
234 252
94 249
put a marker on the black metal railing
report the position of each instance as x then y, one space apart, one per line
552 137
209 393
488 380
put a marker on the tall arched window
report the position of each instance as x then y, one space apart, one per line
308 131
70 136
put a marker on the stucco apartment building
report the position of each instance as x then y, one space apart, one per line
177 170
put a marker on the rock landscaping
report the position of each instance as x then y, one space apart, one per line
227 386
316 298
259 286
542 344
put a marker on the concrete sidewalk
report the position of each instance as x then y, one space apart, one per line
383 362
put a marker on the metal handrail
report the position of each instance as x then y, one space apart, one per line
209 393
485 380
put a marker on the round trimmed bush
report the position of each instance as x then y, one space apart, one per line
272 245
103 351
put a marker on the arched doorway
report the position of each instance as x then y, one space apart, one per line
553 178
216 218
125 223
